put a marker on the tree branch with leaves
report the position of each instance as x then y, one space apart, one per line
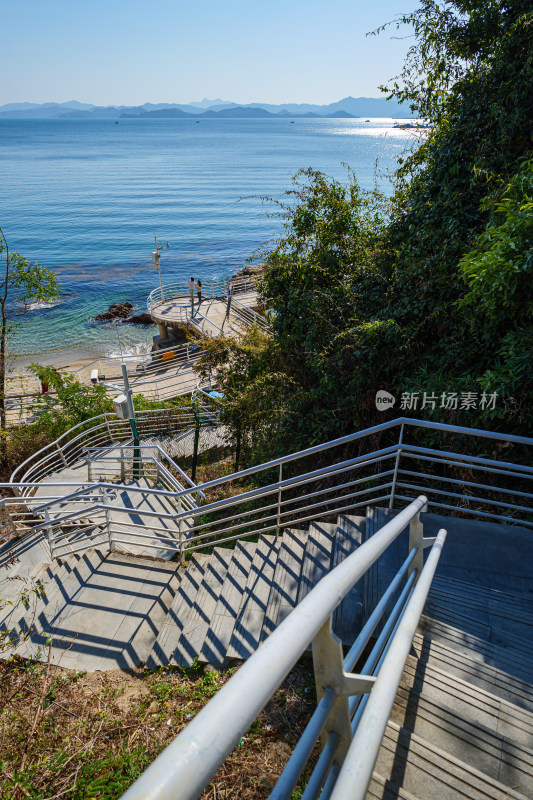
21 285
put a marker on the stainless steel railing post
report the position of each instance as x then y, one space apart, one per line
181 533
416 540
396 464
328 665
49 534
279 499
107 518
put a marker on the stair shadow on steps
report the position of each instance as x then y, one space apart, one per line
31 546
101 612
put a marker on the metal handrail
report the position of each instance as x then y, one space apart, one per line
210 289
356 771
340 486
191 760
104 428
153 447
244 313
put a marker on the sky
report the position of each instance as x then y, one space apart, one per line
127 52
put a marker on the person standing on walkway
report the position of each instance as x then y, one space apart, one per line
199 291
191 290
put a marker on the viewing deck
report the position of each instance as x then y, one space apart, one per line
209 317
171 309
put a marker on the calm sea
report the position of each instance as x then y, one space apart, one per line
85 198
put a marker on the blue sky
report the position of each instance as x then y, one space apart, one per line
117 52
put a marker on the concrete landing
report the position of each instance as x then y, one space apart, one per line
101 612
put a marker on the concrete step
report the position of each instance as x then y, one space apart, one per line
348 616
17 577
469 740
108 619
151 585
485 624
381 573
200 619
426 771
505 599
246 634
381 789
178 614
20 556
60 580
78 541
497 608
228 606
476 705
318 556
473 670
285 584
510 661
483 553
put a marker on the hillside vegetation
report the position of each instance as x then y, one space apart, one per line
428 292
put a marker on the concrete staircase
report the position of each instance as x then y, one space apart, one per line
94 610
462 722
229 601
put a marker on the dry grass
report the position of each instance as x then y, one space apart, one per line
89 735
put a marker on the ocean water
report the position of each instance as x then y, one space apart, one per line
85 198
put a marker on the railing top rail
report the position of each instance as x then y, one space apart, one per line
218 504
191 759
400 421
352 437
88 425
181 288
442 426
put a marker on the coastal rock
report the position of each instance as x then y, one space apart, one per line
140 319
116 311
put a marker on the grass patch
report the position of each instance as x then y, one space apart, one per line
90 735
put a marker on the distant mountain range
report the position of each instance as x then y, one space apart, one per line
205 109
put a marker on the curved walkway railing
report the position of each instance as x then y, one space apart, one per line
352 709
295 489
144 364
210 289
101 431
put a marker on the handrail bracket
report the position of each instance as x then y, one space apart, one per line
328 664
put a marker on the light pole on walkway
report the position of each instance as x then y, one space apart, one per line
156 255
125 410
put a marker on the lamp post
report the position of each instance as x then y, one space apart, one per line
156 255
125 410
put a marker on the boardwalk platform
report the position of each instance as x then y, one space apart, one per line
208 318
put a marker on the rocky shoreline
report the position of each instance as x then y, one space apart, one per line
123 311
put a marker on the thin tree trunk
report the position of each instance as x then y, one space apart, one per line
3 348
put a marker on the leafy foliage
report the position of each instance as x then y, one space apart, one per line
73 402
428 293
21 284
